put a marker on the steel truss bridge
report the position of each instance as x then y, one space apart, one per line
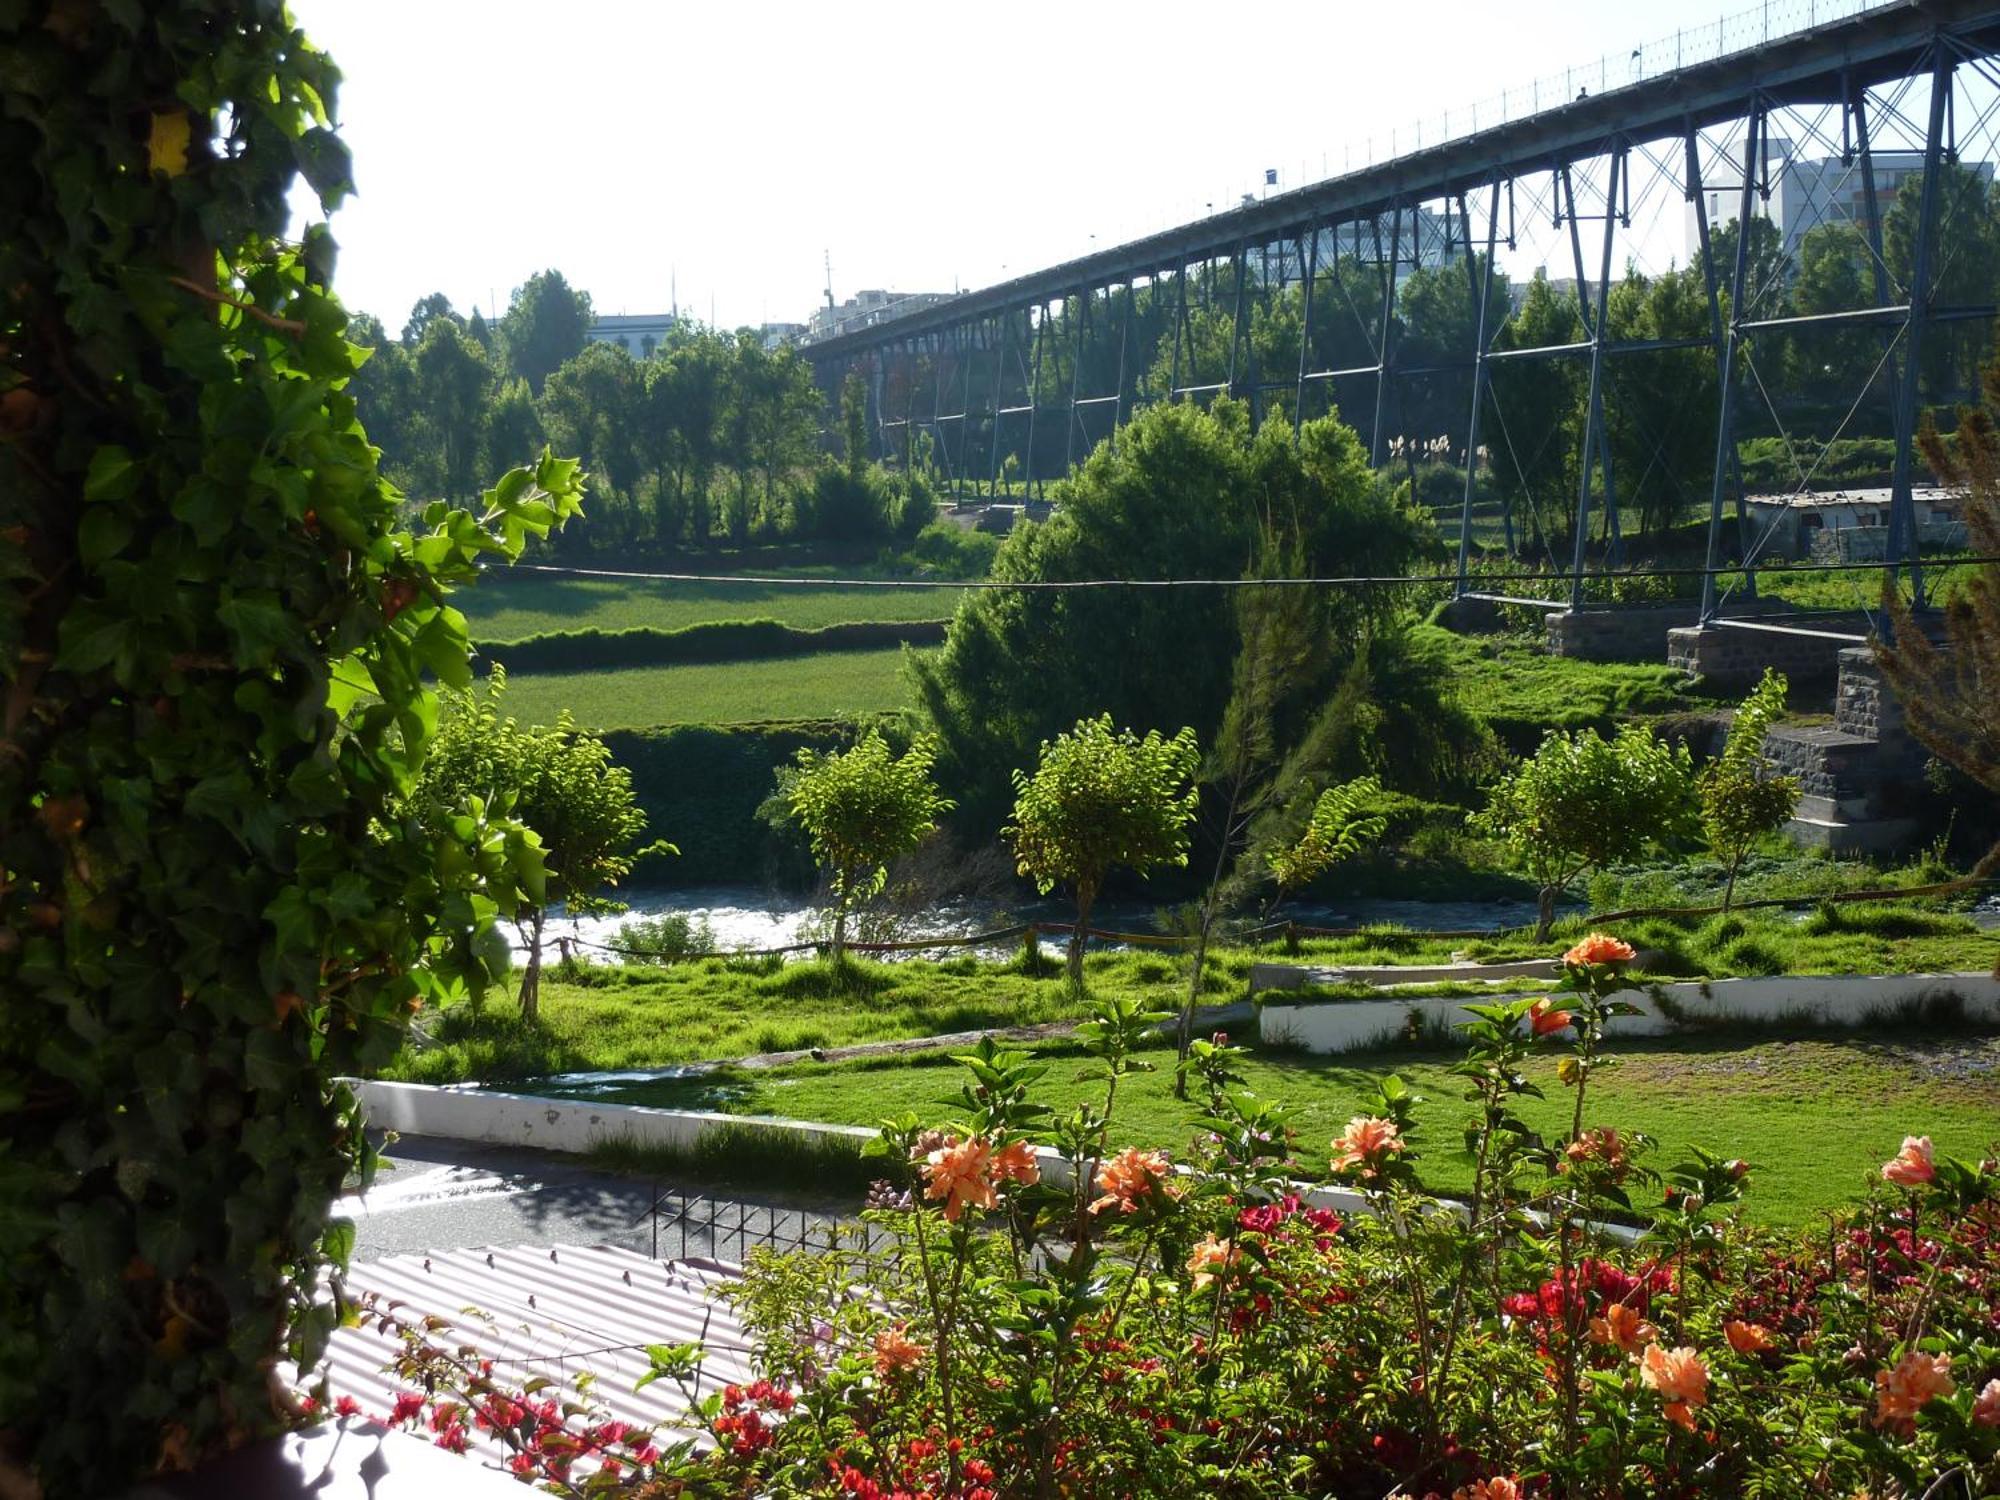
1010 385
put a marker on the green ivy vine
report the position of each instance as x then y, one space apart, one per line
217 623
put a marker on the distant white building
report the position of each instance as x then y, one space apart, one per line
866 309
1807 192
638 334
1850 525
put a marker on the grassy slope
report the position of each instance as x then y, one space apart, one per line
1507 680
531 605
827 685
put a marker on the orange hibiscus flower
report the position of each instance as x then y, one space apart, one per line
896 1351
1600 948
1680 1376
960 1172
1544 1018
1365 1144
1912 1166
1130 1178
1623 1327
1211 1258
1016 1162
1917 1379
1747 1338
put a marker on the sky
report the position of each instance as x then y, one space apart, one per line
723 154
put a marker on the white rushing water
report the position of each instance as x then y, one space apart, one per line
744 917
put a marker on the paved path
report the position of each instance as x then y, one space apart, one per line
436 1194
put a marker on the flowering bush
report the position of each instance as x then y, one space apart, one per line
1082 1321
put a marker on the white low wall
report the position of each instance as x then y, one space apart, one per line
1833 1000
475 1114
572 1125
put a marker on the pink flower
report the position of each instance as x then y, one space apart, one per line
1986 1410
1910 1167
896 1351
1499 1487
1747 1338
1365 1144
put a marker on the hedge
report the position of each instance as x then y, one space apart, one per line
700 786
709 641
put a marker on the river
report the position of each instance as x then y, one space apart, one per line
745 917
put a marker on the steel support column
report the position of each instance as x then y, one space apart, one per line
1378 451
1594 436
1483 275
1725 414
1902 539
1309 258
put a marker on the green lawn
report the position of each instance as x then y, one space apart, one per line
827 685
1814 1114
528 604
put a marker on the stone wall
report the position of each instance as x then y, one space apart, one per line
1618 632
1865 704
1737 658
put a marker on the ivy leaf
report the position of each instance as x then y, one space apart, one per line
167 143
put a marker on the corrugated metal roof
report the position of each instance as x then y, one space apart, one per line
558 1312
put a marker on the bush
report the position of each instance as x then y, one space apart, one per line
1051 1316
666 938
954 551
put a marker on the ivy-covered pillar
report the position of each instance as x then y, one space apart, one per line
217 621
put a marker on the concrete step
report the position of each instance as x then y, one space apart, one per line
1842 835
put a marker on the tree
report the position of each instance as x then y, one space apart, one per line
862 808
1950 688
216 624
1344 820
1660 403
450 381
513 427
1965 267
1741 800
1584 802
436 308
545 326
559 781
1102 798
1534 413
681 431
1186 493
591 407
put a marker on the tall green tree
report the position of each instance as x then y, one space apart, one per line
544 327
862 808
1659 404
1534 416
592 407
216 629
428 310
449 385
1186 493
1742 797
1965 268
1102 798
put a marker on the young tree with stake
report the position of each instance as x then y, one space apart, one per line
1741 798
